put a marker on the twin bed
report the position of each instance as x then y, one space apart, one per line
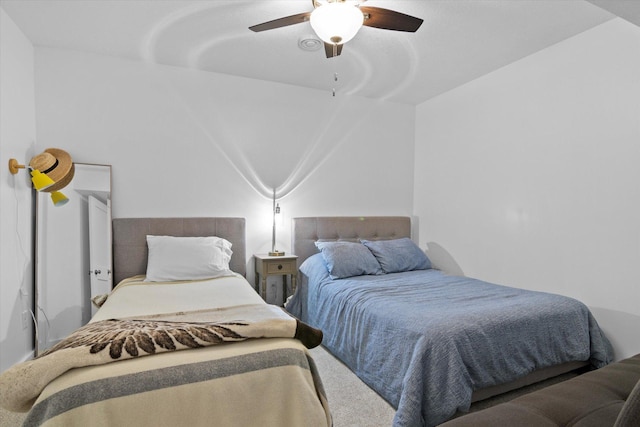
220 376
429 343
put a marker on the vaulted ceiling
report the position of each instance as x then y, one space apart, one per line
460 40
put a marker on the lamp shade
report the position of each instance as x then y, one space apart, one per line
40 180
57 165
58 199
336 22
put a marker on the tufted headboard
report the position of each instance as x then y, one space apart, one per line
130 240
305 231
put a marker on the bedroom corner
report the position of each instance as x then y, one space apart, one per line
17 133
544 193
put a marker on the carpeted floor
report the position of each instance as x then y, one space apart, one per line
352 402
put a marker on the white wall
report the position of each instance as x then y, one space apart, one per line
17 136
530 175
190 143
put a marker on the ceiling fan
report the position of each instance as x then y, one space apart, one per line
337 21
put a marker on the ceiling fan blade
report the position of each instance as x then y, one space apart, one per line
332 49
282 22
386 19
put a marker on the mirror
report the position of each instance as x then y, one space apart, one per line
73 254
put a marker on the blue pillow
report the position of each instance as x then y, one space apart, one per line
347 259
398 255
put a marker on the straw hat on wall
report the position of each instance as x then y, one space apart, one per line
57 165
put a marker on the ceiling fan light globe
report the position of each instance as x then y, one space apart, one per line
336 23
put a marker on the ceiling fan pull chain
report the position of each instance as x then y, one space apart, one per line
335 79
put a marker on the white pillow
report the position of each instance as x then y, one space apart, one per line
187 258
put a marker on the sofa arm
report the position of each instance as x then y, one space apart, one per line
630 414
605 397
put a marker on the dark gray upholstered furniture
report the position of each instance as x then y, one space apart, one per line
609 396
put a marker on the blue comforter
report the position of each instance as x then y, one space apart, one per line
425 341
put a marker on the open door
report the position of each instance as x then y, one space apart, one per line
99 248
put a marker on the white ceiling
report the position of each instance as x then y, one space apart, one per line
459 40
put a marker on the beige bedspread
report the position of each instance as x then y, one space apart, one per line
272 381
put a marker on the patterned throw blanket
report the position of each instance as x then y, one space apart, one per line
120 339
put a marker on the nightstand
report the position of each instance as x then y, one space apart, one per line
275 266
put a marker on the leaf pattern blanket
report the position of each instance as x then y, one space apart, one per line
120 339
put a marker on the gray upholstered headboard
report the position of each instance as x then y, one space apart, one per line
130 240
305 231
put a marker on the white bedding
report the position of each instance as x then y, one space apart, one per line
134 297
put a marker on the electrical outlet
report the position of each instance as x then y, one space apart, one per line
25 319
